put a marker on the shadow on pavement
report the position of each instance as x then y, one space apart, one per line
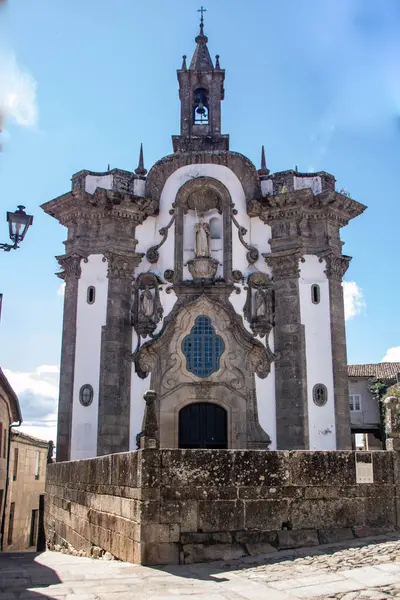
19 573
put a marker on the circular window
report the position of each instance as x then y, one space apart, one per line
86 395
320 394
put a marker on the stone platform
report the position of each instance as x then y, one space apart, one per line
184 506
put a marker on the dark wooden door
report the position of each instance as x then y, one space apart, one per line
41 538
203 425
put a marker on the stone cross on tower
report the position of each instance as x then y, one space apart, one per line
202 10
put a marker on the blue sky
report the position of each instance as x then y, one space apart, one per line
84 82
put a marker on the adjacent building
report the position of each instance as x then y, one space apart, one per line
365 410
216 284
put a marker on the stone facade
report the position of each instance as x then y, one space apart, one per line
182 506
27 477
268 241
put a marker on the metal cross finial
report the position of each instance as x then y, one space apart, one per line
202 10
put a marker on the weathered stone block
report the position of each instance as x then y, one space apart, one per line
257 537
224 515
182 468
366 531
184 513
259 548
157 533
270 493
159 554
221 537
266 514
297 539
330 536
194 553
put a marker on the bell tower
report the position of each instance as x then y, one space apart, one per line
201 91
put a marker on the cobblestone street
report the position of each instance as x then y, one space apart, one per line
362 569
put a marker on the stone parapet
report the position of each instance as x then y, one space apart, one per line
182 506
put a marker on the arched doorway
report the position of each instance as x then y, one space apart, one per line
203 425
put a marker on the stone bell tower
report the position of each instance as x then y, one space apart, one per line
201 91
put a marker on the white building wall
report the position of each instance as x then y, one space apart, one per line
266 404
90 320
317 322
94 181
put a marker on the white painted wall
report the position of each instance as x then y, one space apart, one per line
266 404
90 320
267 187
139 187
316 319
94 181
308 182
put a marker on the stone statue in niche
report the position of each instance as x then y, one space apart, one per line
146 303
203 235
259 309
146 307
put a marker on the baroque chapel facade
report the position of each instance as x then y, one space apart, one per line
217 285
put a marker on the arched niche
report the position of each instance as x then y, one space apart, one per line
204 196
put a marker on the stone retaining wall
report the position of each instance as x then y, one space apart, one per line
171 506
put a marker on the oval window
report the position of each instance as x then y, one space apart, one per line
315 293
86 395
91 294
320 394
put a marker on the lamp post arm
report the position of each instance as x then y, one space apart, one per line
8 247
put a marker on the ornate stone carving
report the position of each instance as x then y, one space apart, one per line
252 254
71 266
202 200
147 310
284 264
152 253
202 235
148 437
259 309
169 275
203 269
122 266
336 265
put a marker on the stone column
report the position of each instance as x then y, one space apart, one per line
289 344
70 274
115 368
337 266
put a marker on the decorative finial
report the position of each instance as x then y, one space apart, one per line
296 169
108 167
141 171
217 62
184 66
263 170
202 10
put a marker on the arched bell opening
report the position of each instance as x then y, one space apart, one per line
203 425
200 107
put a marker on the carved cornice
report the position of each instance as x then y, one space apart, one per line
284 264
71 265
122 266
78 206
303 204
336 265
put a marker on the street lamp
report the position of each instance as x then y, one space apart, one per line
18 223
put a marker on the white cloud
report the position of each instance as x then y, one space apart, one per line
17 92
354 303
38 394
392 355
61 289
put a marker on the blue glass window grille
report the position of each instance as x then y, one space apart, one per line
202 348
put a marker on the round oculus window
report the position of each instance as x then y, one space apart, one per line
86 395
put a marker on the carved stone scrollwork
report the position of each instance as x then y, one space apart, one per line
71 266
259 307
169 275
284 264
147 310
122 266
260 362
152 253
203 199
252 254
336 265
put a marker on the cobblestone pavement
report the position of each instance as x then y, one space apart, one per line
363 569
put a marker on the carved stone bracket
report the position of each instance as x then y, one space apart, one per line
152 253
252 254
259 307
146 310
336 265
122 266
71 266
284 264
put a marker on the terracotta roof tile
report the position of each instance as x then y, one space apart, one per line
378 371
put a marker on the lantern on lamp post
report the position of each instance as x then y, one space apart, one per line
18 223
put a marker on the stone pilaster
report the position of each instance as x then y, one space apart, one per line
289 345
71 273
115 368
337 266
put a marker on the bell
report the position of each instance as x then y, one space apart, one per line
200 109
